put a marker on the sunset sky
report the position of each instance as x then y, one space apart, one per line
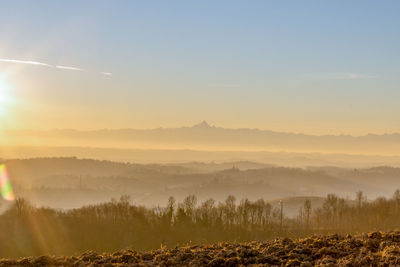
317 67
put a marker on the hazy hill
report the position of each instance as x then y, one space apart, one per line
72 182
196 158
214 166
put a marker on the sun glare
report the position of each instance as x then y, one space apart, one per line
4 96
2 91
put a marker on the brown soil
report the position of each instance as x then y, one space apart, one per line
373 249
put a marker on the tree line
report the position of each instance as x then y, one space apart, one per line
118 224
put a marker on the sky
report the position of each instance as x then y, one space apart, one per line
315 67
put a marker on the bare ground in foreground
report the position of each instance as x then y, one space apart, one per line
372 249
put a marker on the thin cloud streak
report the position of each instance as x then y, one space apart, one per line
25 62
42 64
339 76
353 76
69 68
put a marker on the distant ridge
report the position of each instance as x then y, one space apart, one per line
202 125
203 136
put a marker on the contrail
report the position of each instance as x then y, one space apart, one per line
25 62
69 68
37 63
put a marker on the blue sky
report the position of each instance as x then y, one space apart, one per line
300 66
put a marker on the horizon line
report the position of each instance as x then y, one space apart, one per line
203 125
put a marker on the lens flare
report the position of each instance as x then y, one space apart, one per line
5 185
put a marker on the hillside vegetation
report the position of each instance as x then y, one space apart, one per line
119 224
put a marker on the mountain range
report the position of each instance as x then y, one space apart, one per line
203 136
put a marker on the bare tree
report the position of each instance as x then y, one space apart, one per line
307 211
